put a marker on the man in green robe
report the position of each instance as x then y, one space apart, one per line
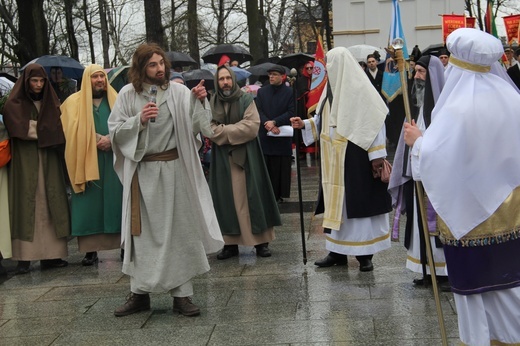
97 197
238 175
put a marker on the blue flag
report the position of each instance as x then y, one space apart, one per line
391 86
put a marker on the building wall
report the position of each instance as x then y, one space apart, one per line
368 21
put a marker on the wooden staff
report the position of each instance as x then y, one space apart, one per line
420 196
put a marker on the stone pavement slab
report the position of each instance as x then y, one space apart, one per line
244 300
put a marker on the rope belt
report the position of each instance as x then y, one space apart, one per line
135 205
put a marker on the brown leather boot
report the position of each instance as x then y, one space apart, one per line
134 303
184 305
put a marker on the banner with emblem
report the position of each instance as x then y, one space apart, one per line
319 78
511 24
452 22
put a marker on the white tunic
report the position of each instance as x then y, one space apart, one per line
178 221
358 236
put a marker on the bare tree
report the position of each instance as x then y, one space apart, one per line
154 27
193 28
105 39
32 40
256 40
69 25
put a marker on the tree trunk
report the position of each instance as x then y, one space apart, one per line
193 30
69 26
34 38
105 41
220 23
256 42
88 27
154 27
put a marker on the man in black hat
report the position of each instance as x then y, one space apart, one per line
275 103
444 57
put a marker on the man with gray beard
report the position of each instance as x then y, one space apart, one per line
243 198
428 83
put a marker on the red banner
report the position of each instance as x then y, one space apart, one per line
511 24
451 22
319 79
470 22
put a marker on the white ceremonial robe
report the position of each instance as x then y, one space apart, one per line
178 222
357 236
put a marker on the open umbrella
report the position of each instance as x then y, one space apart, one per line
117 77
180 59
251 89
234 52
193 77
295 60
261 69
240 73
360 52
71 67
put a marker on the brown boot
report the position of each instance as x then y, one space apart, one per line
134 303
183 305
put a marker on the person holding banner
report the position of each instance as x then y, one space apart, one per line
354 200
468 162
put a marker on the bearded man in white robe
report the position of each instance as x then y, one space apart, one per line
168 223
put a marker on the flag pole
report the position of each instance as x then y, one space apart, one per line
297 134
420 196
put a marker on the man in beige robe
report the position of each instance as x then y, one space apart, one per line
244 200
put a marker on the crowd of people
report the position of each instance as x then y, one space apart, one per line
132 162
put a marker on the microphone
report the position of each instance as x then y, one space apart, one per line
153 97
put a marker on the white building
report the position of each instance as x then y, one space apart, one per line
368 21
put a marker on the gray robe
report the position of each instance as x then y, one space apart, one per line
178 221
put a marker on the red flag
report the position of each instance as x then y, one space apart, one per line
319 78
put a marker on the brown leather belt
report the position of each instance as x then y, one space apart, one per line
135 197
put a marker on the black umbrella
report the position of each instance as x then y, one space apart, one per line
193 77
295 60
261 69
180 59
71 67
433 49
233 51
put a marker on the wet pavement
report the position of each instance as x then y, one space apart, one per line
244 300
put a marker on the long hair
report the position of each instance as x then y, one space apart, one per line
137 71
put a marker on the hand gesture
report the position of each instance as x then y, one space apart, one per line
200 91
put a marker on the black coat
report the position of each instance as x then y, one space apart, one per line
275 103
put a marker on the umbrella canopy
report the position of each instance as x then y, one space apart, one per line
361 51
5 85
240 73
233 51
261 69
295 60
193 77
117 77
433 49
71 68
251 89
180 59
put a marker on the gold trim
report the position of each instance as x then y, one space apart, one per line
358 243
428 27
468 66
416 261
379 147
356 32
